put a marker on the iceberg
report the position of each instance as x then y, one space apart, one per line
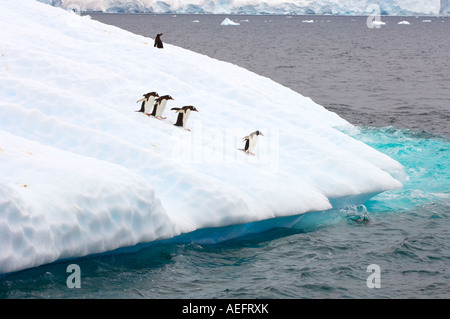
299 7
378 23
445 7
81 172
227 21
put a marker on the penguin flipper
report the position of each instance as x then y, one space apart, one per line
247 144
142 106
154 111
179 120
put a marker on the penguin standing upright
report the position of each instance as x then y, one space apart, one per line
250 141
147 102
183 115
160 106
158 42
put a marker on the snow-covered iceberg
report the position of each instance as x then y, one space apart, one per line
81 172
337 7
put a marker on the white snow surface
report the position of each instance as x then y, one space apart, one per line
82 173
338 7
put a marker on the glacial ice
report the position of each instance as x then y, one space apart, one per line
227 21
82 173
336 7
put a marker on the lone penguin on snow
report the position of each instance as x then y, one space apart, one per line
160 106
250 142
158 42
147 102
183 115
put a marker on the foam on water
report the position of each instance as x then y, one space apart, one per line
426 159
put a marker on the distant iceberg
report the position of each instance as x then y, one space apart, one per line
404 22
81 172
378 23
227 21
299 7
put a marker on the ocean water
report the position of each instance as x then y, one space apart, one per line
392 83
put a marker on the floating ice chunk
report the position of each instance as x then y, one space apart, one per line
229 22
377 23
404 22
308 21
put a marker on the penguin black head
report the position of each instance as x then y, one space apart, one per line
166 97
147 95
192 108
259 133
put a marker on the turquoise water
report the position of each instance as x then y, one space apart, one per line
426 159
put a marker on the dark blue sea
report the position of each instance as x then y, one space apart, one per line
393 83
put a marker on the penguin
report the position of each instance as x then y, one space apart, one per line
147 101
160 106
183 115
250 141
158 42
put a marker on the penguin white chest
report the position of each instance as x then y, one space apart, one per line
186 116
148 106
160 109
252 142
